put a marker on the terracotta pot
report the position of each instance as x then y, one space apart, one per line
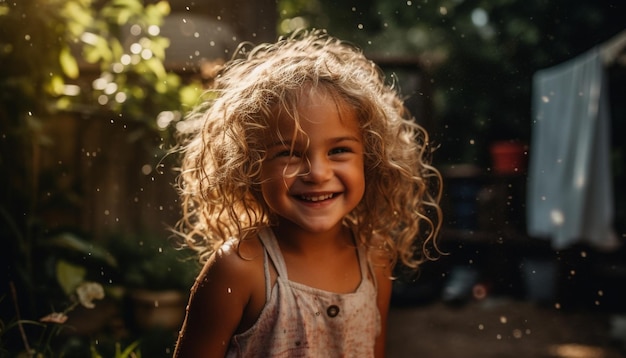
164 309
90 321
509 157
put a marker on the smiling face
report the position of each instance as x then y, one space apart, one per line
314 177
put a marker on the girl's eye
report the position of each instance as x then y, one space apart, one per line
286 153
340 150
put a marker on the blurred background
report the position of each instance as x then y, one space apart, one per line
91 92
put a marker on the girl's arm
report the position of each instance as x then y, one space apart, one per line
216 305
383 278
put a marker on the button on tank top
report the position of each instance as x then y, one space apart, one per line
302 321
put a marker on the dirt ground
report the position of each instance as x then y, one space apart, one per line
503 327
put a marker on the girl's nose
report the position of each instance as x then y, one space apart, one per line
318 169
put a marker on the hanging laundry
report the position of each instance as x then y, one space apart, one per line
570 194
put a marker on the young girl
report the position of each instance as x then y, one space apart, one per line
303 182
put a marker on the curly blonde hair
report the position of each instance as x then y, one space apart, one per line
222 149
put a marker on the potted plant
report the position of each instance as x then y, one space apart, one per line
157 278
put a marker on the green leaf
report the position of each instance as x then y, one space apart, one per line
99 49
154 14
69 276
55 85
117 50
91 54
94 351
124 10
134 5
128 351
68 63
105 50
190 95
158 47
4 9
79 16
123 16
163 7
64 103
75 244
156 66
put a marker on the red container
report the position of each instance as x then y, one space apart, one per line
509 157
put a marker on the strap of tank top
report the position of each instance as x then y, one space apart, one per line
273 250
268 277
366 266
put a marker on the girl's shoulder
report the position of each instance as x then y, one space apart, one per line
235 270
237 256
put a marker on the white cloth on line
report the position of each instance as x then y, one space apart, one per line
570 193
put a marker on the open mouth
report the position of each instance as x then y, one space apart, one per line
316 198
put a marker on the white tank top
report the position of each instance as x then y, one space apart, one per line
302 321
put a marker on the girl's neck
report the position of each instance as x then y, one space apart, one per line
295 240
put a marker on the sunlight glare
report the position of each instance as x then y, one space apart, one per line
572 350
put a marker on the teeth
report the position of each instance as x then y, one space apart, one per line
317 198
